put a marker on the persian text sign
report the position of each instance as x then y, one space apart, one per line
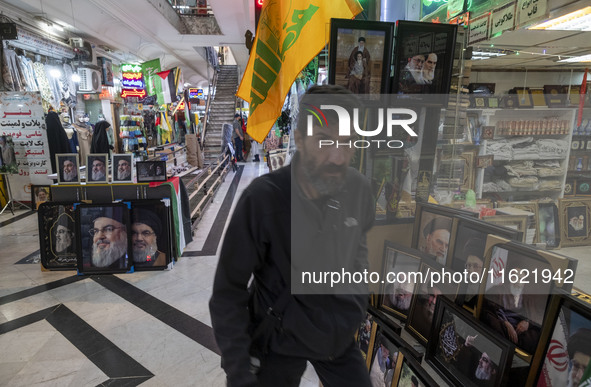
531 11
502 19
479 29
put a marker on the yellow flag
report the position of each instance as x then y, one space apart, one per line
289 35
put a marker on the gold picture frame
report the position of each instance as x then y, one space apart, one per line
575 226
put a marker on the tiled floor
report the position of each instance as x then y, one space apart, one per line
148 328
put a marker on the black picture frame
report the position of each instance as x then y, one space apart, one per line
68 167
396 296
422 309
99 163
370 76
151 224
554 96
456 357
514 260
57 235
149 171
428 219
384 357
122 165
409 367
412 39
40 194
99 217
366 336
548 224
569 333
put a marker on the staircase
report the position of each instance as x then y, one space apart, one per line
222 110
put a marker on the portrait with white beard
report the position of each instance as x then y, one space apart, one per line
398 287
104 237
97 167
67 165
122 165
57 235
150 235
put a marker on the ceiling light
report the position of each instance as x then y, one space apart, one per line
582 58
487 53
480 57
55 73
75 78
575 21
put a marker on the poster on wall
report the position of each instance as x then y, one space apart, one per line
21 118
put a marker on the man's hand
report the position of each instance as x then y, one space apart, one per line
511 332
522 326
470 340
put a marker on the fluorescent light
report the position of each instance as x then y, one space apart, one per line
582 58
480 57
577 21
487 53
57 27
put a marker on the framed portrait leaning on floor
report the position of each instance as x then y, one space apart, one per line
360 53
151 235
57 235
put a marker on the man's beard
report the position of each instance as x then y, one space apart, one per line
325 186
428 75
69 176
140 254
123 175
105 257
482 374
402 303
98 175
62 244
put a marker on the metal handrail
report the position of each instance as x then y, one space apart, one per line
210 96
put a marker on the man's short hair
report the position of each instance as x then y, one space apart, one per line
436 224
580 341
148 218
361 39
236 115
341 97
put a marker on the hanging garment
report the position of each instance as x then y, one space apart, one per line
73 140
100 138
68 87
21 73
29 73
84 139
56 137
54 85
43 82
10 71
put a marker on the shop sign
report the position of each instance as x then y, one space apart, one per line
132 81
195 93
502 19
531 11
479 29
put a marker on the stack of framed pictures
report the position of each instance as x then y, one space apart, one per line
98 167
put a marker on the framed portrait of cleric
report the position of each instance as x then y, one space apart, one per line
97 168
359 56
57 235
467 252
516 294
151 234
565 358
148 171
397 288
67 168
103 238
463 351
40 194
433 227
425 296
365 337
122 165
384 358
409 372
423 55
574 221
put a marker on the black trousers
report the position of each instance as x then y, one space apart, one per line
349 369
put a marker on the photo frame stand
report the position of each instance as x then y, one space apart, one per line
7 194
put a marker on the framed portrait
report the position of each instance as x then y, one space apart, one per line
104 238
151 235
537 96
554 96
514 222
360 53
532 223
514 302
433 227
423 55
548 224
40 194
384 358
67 168
8 163
422 307
574 221
568 349
463 351
410 372
365 337
148 171
97 168
524 97
467 252
396 295
57 235
122 168
107 71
